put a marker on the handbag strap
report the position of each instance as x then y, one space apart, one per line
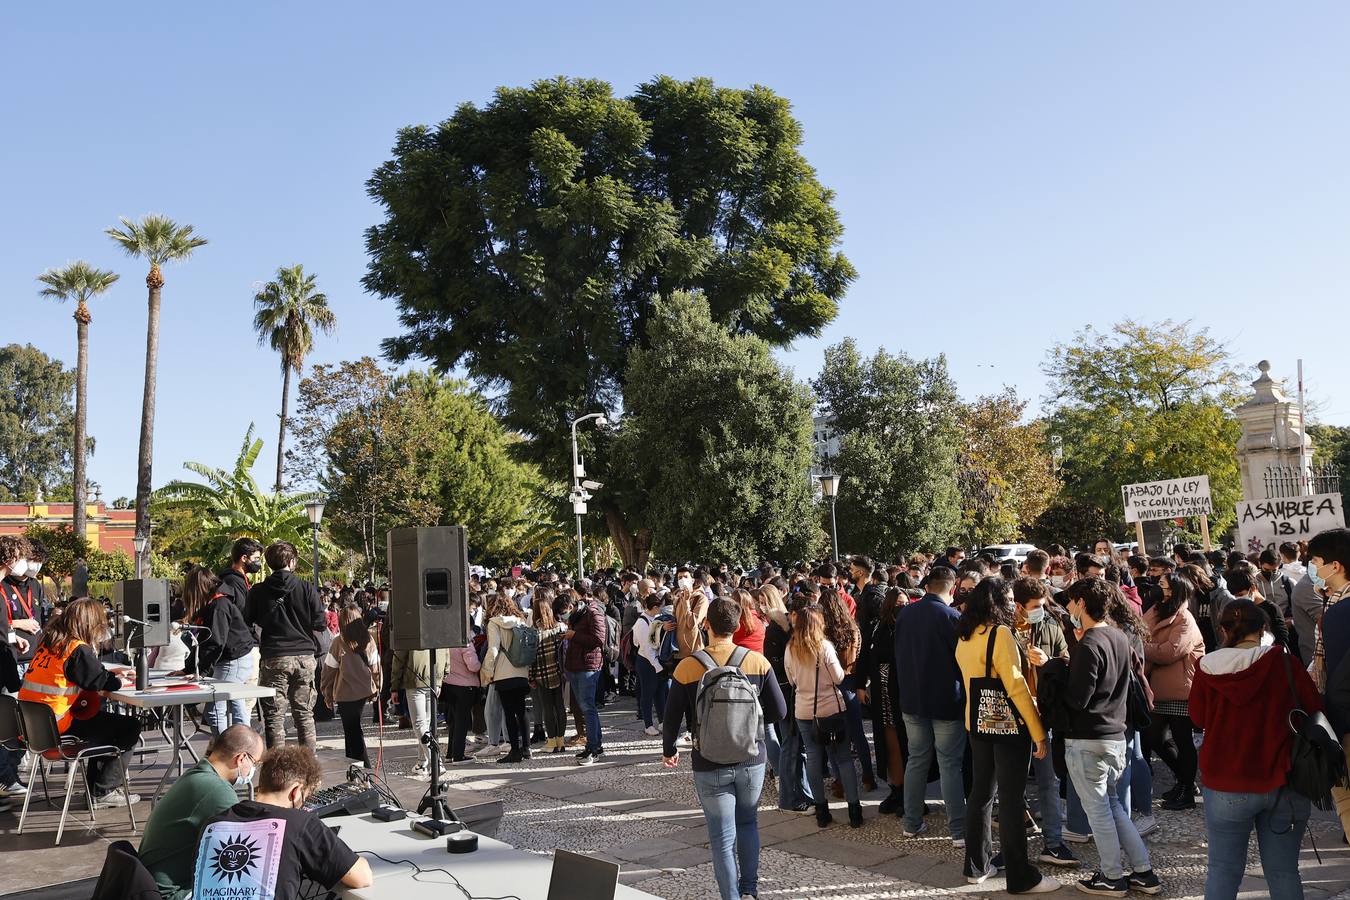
815 693
1289 673
989 652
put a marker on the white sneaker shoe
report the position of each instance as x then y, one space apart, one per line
1146 824
115 798
489 751
686 740
652 730
1073 837
13 790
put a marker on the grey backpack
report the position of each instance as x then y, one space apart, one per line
728 721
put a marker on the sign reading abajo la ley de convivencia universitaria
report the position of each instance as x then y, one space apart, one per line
1176 498
1269 523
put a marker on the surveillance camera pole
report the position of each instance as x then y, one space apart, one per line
579 495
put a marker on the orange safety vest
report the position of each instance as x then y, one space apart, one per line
46 682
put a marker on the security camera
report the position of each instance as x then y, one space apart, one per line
592 485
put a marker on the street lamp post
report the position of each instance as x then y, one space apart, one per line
139 543
314 509
829 488
580 490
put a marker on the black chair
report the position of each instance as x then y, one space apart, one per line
44 739
11 735
124 877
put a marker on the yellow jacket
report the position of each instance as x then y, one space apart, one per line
970 657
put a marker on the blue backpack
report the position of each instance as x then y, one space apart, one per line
666 646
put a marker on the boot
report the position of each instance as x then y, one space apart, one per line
894 801
855 818
823 816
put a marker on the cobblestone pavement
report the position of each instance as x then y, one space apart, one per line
631 810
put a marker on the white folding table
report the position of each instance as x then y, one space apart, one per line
203 690
495 869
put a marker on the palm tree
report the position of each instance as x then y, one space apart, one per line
288 309
159 240
80 282
227 505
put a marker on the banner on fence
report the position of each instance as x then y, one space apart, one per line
1268 523
1178 498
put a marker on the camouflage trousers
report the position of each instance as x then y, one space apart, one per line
292 677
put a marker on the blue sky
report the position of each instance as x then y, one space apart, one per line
1006 172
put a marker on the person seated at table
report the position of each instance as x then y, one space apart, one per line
67 664
203 792
262 849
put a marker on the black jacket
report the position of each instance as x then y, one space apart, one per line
234 586
230 636
287 610
868 603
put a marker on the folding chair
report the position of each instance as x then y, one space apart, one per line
11 736
44 739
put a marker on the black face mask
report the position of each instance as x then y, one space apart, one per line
252 567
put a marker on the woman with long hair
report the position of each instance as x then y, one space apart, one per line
1172 651
511 682
67 664
986 646
842 631
1243 696
351 676
225 650
546 678
815 672
1210 598
887 726
786 753
750 633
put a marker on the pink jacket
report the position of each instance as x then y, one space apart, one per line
463 667
1172 652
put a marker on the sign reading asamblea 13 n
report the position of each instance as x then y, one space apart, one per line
1268 523
1176 498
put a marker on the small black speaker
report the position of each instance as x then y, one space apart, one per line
428 587
148 601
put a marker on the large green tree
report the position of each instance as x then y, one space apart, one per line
227 504
158 240
37 423
1145 402
1331 446
897 420
288 309
1007 475
80 282
528 240
717 441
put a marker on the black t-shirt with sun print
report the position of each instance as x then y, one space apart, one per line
256 851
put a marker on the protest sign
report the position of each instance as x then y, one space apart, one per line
1268 523
1178 498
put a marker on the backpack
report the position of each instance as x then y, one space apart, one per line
728 721
611 640
628 647
664 642
524 646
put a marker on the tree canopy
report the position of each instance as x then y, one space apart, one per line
528 240
1145 402
37 423
716 439
1007 476
898 423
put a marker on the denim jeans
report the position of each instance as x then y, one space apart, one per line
1229 818
236 671
653 688
1095 766
853 716
584 686
495 716
948 738
840 756
772 745
420 709
730 797
1134 787
793 787
1047 796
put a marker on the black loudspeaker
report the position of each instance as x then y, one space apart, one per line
148 601
428 587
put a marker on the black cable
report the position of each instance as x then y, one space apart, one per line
418 871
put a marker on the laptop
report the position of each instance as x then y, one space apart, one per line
577 877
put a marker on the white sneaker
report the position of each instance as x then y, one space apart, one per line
115 798
1146 824
652 730
1044 886
489 750
959 843
1074 837
686 740
13 790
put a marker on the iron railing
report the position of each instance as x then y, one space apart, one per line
1294 481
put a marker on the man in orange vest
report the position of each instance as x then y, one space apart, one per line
65 665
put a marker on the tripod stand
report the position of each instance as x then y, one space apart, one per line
433 802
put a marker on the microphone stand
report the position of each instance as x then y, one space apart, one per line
433 802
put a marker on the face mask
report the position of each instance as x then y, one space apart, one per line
243 779
632 590
33 569
1057 581
1318 581
1036 616
384 605
686 584
19 569
253 567
509 593
1075 621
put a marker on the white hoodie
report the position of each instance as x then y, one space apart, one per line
496 665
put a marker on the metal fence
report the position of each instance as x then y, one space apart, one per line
1294 481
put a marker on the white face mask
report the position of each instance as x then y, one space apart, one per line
34 569
685 584
1057 581
19 569
244 779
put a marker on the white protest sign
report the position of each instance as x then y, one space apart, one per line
1266 523
1178 498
